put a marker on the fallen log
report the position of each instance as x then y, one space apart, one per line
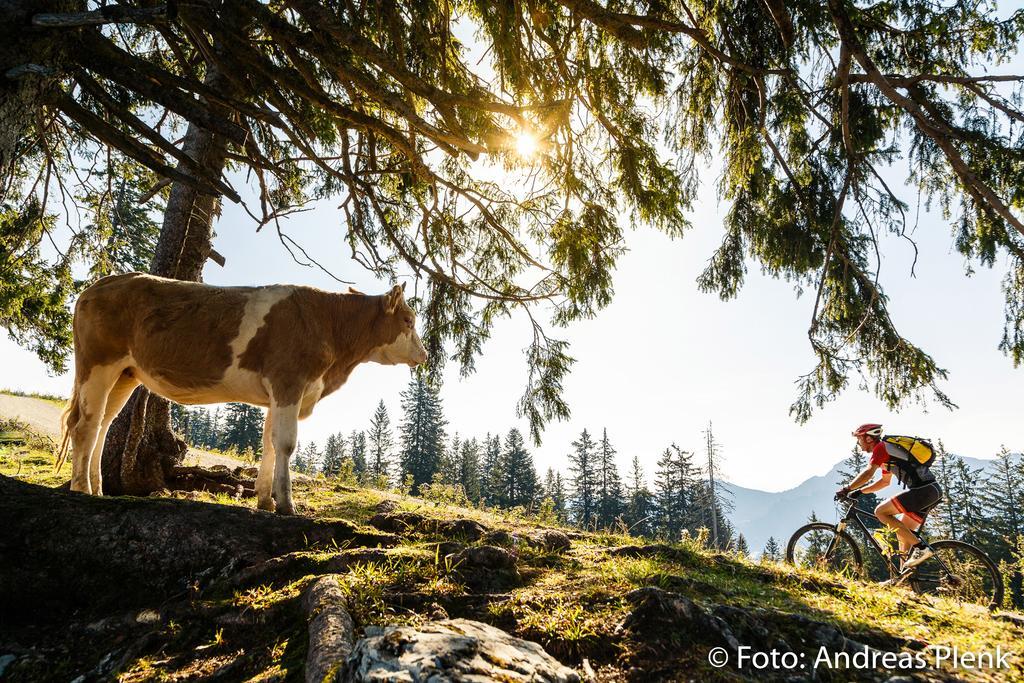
64 552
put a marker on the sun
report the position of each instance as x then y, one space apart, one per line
526 144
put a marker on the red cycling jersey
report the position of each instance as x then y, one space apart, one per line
879 454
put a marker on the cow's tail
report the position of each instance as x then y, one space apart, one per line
68 419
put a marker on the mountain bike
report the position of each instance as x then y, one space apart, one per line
957 570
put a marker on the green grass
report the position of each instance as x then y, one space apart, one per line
571 603
52 398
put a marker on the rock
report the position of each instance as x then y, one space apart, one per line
397 522
477 557
464 529
413 522
658 613
247 472
551 540
502 538
653 550
385 506
445 548
331 631
452 650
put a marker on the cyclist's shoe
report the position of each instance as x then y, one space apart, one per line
920 554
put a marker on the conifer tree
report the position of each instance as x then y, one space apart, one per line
741 546
554 489
772 551
379 445
490 471
334 455
449 465
181 421
243 427
676 495
299 459
583 467
518 475
357 451
639 501
609 484
1003 497
469 469
422 432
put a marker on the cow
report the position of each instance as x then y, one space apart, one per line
281 347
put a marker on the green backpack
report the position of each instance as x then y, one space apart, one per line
920 450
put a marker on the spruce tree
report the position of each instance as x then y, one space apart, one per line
181 421
583 468
422 432
490 474
772 551
1003 497
243 427
334 455
469 469
676 493
555 491
609 485
741 546
357 451
517 482
639 501
379 445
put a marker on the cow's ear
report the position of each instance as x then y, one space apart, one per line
392 299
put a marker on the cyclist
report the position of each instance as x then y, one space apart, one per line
922 494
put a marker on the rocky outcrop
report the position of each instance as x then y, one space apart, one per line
452 650
413 522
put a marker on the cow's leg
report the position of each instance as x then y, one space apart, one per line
285 428
265 480
92 402
118 396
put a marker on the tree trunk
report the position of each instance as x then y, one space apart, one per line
29 63
141 449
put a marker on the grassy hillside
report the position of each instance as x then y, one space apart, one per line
607 604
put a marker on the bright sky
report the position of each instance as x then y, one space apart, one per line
664 359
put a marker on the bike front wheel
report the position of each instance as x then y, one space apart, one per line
820 546
961 572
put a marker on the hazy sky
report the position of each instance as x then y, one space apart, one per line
664 359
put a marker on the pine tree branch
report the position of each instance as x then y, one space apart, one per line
109 14
937 131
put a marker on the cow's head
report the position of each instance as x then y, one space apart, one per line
397 325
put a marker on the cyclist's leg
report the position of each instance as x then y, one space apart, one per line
886 513
914 506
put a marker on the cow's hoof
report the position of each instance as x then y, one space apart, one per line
286 509
266 504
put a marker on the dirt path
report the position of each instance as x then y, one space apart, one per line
42 417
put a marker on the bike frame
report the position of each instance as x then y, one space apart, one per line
857 516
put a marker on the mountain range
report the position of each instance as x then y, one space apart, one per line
759 515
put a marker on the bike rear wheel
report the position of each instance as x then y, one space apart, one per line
819 546
959 571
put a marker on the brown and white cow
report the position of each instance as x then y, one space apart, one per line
283 347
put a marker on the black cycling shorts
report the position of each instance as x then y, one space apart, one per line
916 502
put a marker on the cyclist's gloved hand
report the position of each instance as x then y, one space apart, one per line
842 493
